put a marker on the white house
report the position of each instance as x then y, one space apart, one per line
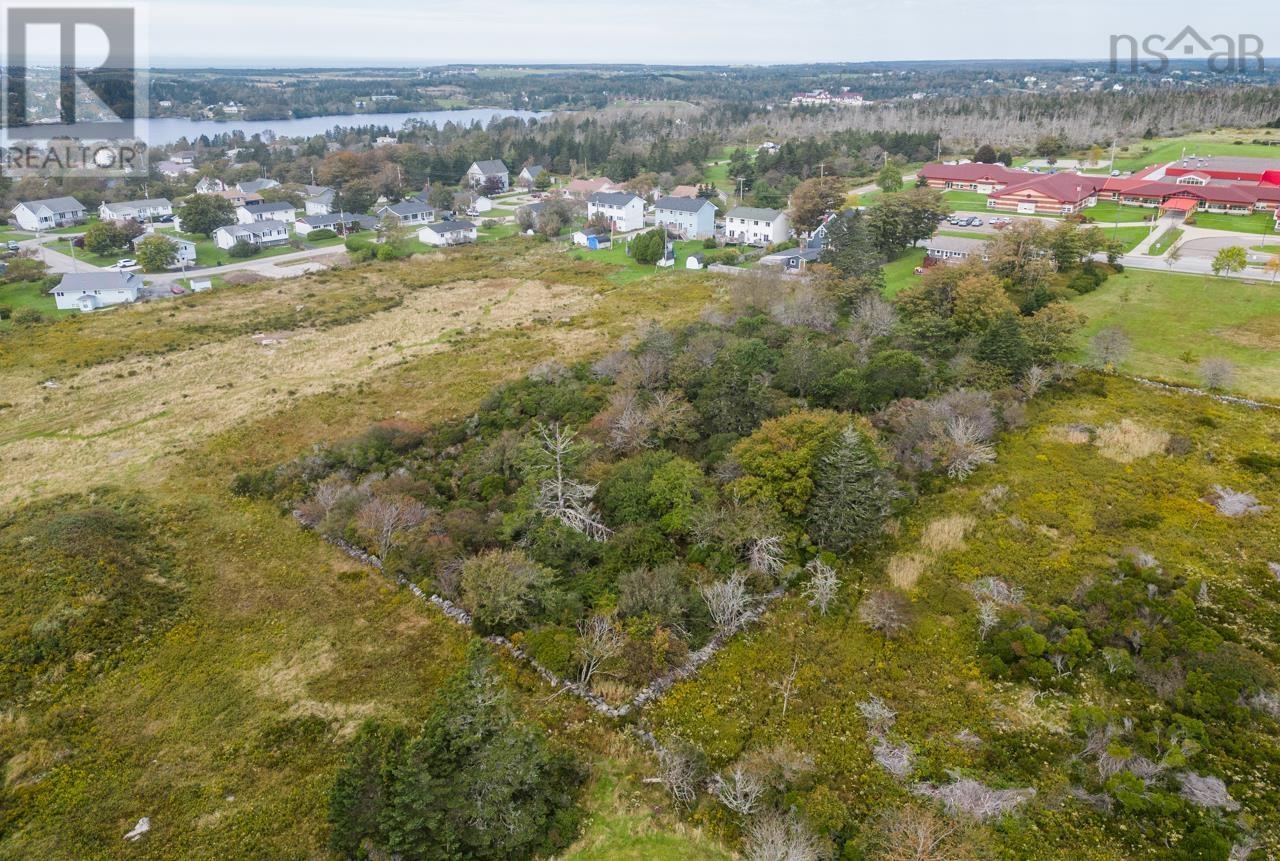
49 213
89 291
686 217
448 233
479 205
185 247
317 199
173 169
623 210
136 210
338 222
481 172
529 175
210 184
407 212
261 233
280 210
954 249
748 225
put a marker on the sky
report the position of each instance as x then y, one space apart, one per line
282 33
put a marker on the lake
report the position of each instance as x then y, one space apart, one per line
165 131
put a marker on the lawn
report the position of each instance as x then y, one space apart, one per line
88 257
1261 223
1166 241
900 274
1128 237
967 200
1175 321
629 269
1235 142
1112 211
28 294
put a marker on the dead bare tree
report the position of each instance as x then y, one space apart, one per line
968 448
885 611
678 772
727 601
967 797
1207 791
385 519
765 555
599 641
775 836
559 496
823 585
787 685
739 791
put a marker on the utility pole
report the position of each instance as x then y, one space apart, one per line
741 180
822 170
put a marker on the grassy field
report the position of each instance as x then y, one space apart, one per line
1166 241
628 269
1112 211
1237 142
1128 237
1176 321
28 294
1260 223
1051 515
966 200
900 274
225 726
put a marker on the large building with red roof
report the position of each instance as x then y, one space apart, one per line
1235 186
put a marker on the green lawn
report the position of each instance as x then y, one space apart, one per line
1165 242
1225 142
629 269
900 274
966 199
1175 321
1262 223
27 294
499 231
1129 237
1111 210
966 234
88 257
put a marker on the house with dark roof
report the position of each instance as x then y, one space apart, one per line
184 249
338 222
136 210
750 225
89 291
51 212
407 212
492 171
793 259
253 186
317 199
686 217
529 176
279 210
623 210
954 249
261 233
448 233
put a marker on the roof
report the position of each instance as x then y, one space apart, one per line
338 218
1063 187
972 172
533 170
684 191
256 184
753 212
274 206
176 240
491 166
960 244
53 204
683 204
148 203
613 198
449 226
589 185
85 282
1226 163
321 193
406 207
1182 204
268 226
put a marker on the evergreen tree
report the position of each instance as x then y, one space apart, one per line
986 154
852 495
476 782
850 247
1004 346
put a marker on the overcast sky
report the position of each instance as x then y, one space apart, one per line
271 33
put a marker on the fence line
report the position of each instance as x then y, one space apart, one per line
646 695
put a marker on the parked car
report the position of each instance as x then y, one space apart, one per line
126 263
975 222
176 290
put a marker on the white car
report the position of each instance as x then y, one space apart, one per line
126 263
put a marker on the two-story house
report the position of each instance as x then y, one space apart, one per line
686 217
749 225
624 211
